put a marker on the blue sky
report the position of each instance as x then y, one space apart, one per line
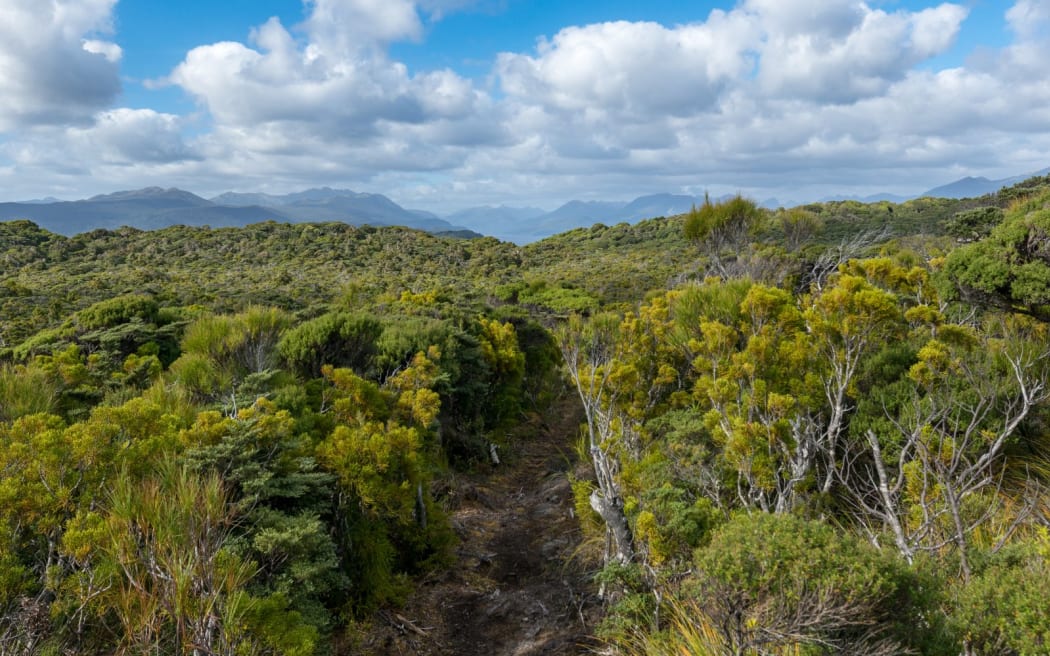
444 104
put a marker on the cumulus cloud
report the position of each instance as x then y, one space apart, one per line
820 50
1029 17
846 51
438 9
769 90
132 137
764 93
1024 61
341 28
111 51
759 96
119 144
632 68
765 88
338 80
54 66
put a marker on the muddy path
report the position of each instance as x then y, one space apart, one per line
519 586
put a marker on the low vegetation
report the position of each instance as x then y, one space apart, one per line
811 431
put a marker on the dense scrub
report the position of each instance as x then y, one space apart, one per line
817 430
824 459
190 472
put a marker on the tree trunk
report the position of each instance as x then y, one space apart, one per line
611 511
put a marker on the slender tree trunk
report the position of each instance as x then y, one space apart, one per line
611 510
588 369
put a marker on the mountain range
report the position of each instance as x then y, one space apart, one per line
155 207
969 187
523 225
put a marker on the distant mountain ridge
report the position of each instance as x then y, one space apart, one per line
501 213
155 207
40 201
524 225
327 204
147 209
970 187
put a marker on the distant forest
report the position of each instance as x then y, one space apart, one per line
817 430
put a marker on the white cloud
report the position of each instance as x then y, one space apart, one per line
438 9
632 69
840 51
332 102
765 97
1024 61
825 19
1029 17
54 68
335 82
773 90
820 50
120 146
342 28
111 51
132 137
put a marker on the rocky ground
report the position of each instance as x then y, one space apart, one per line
521 585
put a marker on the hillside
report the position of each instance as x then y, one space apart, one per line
728 431
49 275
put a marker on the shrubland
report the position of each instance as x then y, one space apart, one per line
816 430
824 447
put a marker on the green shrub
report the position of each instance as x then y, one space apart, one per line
1004 609
775 581
339 339
115 311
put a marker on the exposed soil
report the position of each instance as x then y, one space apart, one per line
519 586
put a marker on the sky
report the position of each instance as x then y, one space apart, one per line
447 104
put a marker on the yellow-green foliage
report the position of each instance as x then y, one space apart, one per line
26 391
293 391
1007 268
1003 609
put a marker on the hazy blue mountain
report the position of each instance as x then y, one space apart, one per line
424 214
150 196
890 198
526 224
481 217
317 195
235 199
579 214
647 207
148 208
155 207
503 222
320 195
374 209
583 214
970 187
327 204
523 225
40 201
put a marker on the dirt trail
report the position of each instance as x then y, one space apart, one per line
516 589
